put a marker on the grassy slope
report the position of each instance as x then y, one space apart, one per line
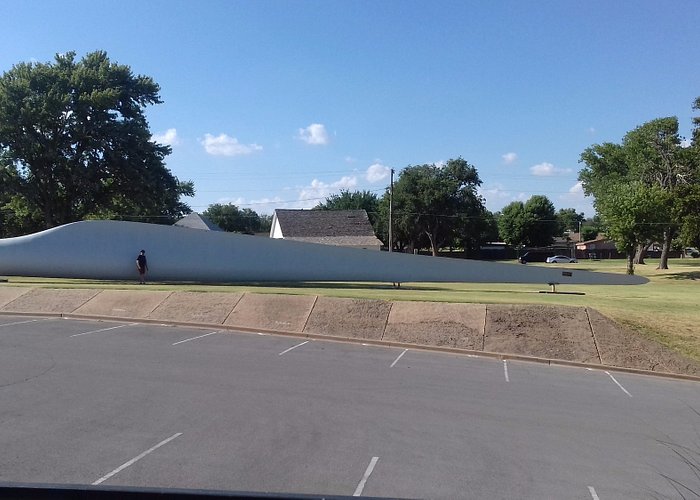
666 309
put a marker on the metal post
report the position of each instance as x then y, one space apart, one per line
391 208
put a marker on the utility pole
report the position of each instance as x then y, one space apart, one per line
391 209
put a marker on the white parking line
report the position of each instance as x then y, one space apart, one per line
397 359
594 495
618 384
102 330
194 338
293 347
363 481
505 370
23 322
136 459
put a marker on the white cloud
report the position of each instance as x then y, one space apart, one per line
318 191
314 134
575 198
546 169
497 196
227 200
377 172
591 130
169 137
685 143
350 159
261 205
509 158
223 145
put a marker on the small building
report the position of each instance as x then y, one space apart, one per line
599 248
346 228
197 221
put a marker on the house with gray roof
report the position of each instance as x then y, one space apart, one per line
347 228
197 221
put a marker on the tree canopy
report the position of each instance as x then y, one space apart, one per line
531 224
233 219
434 205
75 144
650 156
569 219
355 200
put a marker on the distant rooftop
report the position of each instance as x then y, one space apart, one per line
330 227
197 221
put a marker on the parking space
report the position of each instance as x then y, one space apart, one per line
147 405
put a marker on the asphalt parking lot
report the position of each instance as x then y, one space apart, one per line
110 403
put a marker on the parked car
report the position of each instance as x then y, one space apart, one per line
560 259
692 252
534 256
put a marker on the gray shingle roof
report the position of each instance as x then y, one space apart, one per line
196 221
344 227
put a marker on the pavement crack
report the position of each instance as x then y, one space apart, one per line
33 377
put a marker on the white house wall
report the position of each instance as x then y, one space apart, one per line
108 250
276 231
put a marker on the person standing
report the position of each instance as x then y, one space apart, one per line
142 266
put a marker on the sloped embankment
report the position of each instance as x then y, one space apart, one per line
573 334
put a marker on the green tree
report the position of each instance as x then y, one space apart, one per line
480 229
632 212
543 222
434 205
76 135
530 224
569 220
513 225
355 200
607 165
696 124
588 233
265 223
233 219
656 158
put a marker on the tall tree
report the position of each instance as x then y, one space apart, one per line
656 158
696 124
478 230
543 221
233 219
77 137
569 220
355 200
532 223
652 155
513 225
436 203
632 212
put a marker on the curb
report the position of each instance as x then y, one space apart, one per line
381 343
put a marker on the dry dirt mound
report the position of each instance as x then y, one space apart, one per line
50 301
437 323
543 331
355 318
621 347
287 313
196 307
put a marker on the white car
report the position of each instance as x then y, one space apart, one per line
560 259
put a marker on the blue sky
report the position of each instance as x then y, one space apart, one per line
277 104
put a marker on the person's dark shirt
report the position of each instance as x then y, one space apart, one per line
141 259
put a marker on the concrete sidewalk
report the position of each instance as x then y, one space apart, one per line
546 333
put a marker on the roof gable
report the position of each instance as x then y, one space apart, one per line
323 223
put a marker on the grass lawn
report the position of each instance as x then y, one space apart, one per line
666 309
